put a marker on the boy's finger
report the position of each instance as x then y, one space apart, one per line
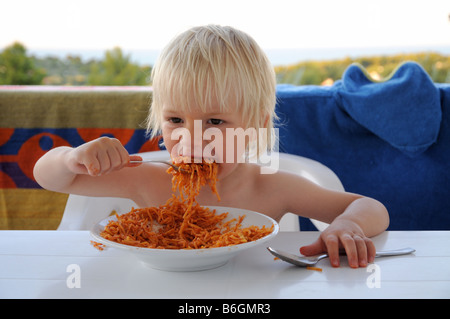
350 249
134 158
93 168
361 250
332 245
371 250
313 249
115 159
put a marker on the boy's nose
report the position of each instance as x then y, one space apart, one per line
191 148
190 142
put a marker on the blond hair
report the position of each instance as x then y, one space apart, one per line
215 63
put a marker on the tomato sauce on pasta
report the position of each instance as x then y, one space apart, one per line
181 223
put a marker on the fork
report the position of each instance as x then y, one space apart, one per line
311 261
158 161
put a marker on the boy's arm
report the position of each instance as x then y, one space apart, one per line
367 213
51 172
96 168
352 218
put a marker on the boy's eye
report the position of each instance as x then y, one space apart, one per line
215 121
175 120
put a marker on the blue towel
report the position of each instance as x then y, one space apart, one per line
389 140
404 110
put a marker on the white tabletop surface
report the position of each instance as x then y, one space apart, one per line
42 264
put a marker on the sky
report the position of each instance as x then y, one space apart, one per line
275 24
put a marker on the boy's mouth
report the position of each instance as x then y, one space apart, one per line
192 159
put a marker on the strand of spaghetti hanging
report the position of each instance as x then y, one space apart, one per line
187 180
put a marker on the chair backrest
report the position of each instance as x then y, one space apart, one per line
82 212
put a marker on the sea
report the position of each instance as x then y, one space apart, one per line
278 57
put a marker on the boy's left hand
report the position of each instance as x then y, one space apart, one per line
347 235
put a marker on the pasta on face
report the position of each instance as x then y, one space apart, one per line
181 223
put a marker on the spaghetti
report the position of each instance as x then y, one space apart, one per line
181 223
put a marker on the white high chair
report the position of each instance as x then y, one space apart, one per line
81 212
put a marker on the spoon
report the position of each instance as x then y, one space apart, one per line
311 261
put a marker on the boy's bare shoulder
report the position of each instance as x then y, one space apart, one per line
152 184
275 193
278 176
286 186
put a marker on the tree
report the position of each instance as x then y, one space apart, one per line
17 68
117 69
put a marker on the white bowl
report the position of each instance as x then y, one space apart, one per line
193 259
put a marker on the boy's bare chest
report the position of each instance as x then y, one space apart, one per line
248 193
254 199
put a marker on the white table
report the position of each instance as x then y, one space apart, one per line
51 264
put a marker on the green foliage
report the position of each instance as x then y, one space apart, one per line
117 69
379 67
68 71
17 68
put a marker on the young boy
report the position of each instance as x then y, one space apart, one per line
209 83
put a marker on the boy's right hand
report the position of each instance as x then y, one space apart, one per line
98 157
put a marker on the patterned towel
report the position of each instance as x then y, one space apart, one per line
34 120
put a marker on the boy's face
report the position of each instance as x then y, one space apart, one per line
214 135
